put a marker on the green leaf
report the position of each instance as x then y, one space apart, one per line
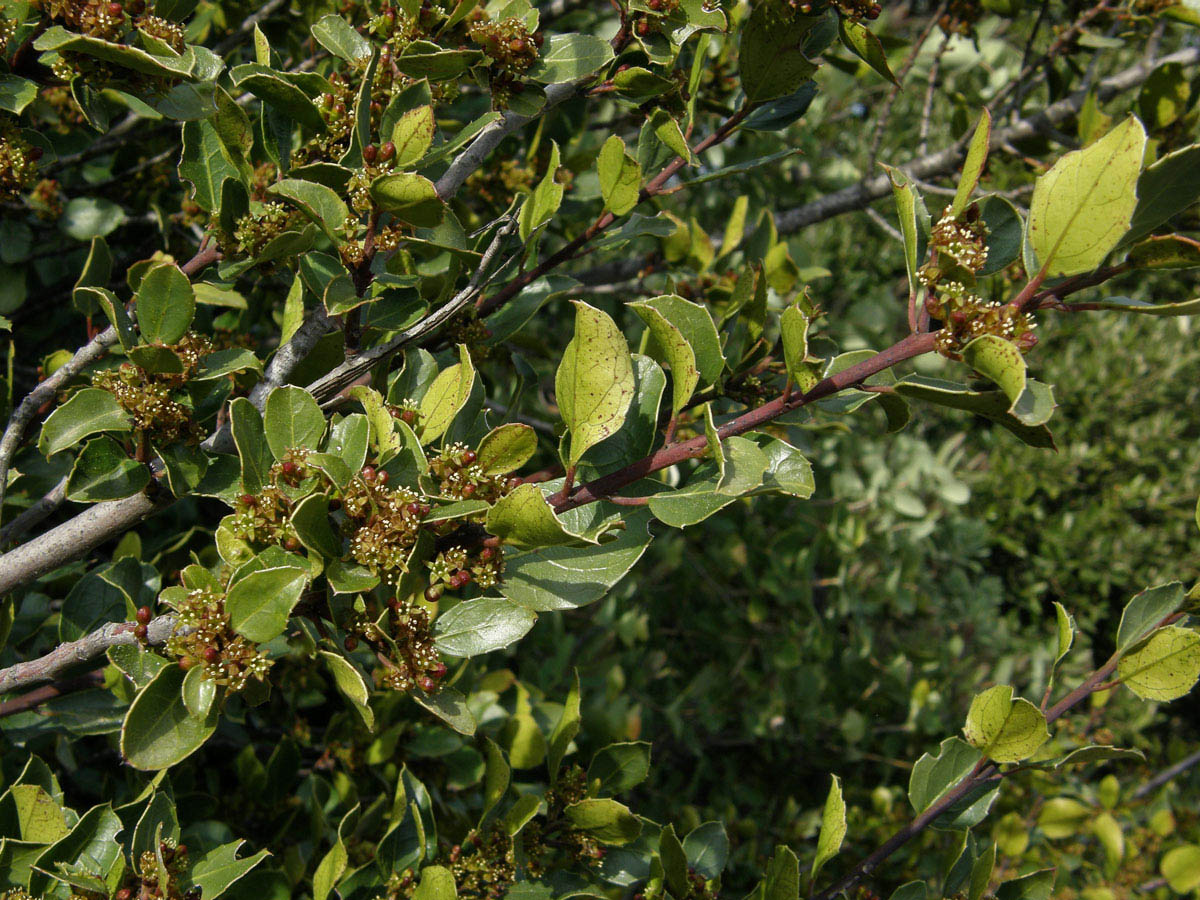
1166 188
266 84
1180 866
497 775
87 412
39 817
1065 630
1146 308
606 820
506 448
165 305
451 707
329 870
594 382
620 176
413 135
1003 728
159 731
555 578
1143 613
103 471
793 329
707 491
782 879
788 471
671 347
833 827
437 883
977 153
86 218
521 813
993 405
569 57
446 397
199 692
1163 667
319 203
292 419
619 767
1168 251
1000 361
310 518
409 197
206 163
707 849
479 626
335 35
907 209
351 685
674 862
94 836
422 59
253 451
1082 207
219 869
524 518
771 58
564 732
1063 817
1035 886
16 93
543 201
259 605
863 44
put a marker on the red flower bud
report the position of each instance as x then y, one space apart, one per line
368 474
211 655
246 499
140 632
369 152
427 684
387 151
351 643
144 615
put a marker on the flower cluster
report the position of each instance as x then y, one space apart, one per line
456 567
459 476
149 882
98 18
18 162
849 9
253 231
169 33
959 244
960 17
150 401
203 637
414 663
512 49
264 518
383 523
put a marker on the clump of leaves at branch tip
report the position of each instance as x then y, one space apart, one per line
959 245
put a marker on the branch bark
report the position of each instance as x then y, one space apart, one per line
65 656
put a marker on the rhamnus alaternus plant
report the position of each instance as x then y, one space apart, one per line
351 341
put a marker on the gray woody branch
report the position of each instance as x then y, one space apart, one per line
66 656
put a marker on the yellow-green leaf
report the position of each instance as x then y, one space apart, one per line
1082 207
1003 728
1164 666
594 382
833 827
